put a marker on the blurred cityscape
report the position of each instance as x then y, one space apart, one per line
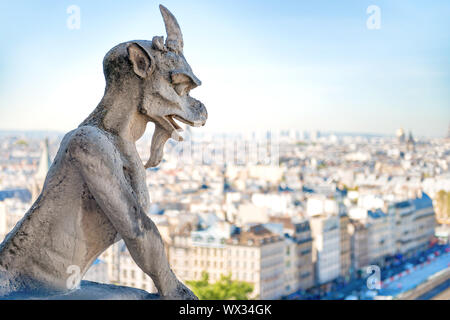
299 215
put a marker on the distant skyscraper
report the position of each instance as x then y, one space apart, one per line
39 178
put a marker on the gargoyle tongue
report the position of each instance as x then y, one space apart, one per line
159 139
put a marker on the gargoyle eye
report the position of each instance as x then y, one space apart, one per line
182 83
182 88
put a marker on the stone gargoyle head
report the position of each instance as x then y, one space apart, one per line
162 79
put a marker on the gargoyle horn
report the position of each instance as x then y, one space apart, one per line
174 39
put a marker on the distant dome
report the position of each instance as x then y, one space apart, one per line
400 132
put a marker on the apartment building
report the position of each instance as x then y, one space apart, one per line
326 247
380 236
304 242
98 272
11 211
415 224
291 279
359 236
255 255
403 213
424 220
345 245
122 270
299 268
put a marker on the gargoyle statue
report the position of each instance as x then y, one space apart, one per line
95 192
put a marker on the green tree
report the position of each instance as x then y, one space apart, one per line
21 142
224 289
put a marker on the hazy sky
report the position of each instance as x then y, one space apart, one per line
309 65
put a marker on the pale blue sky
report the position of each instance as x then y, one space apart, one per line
309 65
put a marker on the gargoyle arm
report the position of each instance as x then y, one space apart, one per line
102 170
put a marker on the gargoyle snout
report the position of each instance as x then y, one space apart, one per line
200 113
202 110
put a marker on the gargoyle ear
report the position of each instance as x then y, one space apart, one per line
143 63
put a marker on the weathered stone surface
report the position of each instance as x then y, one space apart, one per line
88 291
95 192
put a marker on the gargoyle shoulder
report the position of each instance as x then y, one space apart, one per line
90 143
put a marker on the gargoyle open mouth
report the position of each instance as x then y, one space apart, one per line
174 127
168 128
173 123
